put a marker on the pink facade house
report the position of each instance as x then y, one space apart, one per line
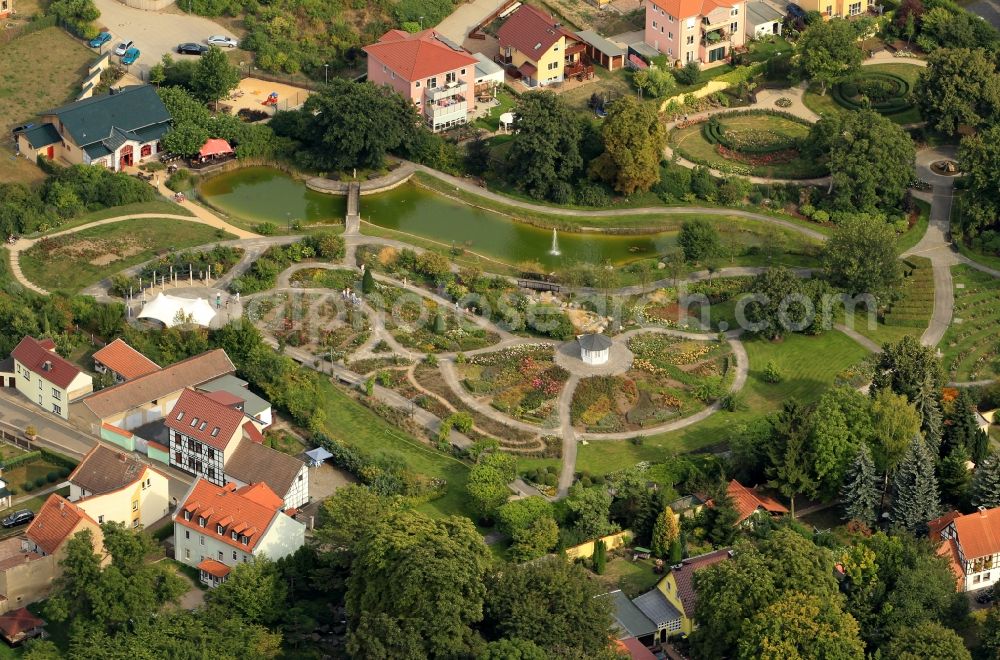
703 31
425 67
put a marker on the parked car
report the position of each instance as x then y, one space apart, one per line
123 47
130 56
20 129
795 11
22 517
222 40
987 596
100 40
191 48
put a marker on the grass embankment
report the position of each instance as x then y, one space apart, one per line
808 366
913 235
38 71
77 260
373 434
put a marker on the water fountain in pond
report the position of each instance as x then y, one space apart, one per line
555 244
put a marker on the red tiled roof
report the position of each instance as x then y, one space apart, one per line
949 551
747 500
936 526
684 577
979 533
528 69
214 568
233 509
117 431
54 523
200 417
252 433
40 358
634 649
18 622
531 31
104 470
156 445
225 398
683 9
125 360
420 55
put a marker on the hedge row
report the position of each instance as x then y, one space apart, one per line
714 133
29 457
843 92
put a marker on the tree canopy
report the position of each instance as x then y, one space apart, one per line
860 257
871 162
979 158
959 87
828 51
634 138
544 155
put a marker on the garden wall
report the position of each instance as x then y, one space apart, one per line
586 550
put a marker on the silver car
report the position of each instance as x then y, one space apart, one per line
222 41
123 47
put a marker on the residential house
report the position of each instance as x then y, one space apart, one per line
147 399
489 76
6 8
217 527
118 130
971 544
763 19
21 625
540 48
837 8
749 502
123 362
212 437
703 31
112 485
427 68
251 404
30 563
46 378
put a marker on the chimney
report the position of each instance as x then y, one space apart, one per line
982 510
62 504
47 365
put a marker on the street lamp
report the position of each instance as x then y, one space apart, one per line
421 22
288 222
326 73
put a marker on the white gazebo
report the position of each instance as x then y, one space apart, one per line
594 349
174 310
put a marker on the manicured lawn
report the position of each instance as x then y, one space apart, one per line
609 84
348 420
764 49
827 105
38 71
907 316
159 205
691 143
632 577
972 343
808 365
916 232
72 262
492 120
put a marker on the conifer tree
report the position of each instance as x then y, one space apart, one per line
953 474
915 489
665 533
962 428
600 557
860 494
986 482
367 282
927 402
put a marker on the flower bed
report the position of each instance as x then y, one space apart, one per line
521 381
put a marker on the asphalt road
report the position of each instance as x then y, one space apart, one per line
154 33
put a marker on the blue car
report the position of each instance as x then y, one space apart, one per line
130 56
100 40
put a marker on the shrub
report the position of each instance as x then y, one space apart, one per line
52 476
28 486
39 482
265 228
689 74
772 374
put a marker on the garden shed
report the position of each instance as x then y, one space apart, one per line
595 348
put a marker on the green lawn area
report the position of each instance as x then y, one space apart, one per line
159 205
74 261
971 344
826 104
609 84
808 365
348 420
38 71
916 232
691 143
491 121
909 315
632 577
764 49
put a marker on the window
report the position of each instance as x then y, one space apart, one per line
463 72
201 521
180 415
202 539
855 9
432 83
135 524
221 555
384 68
655 25
194 422
178 458
829 9
187 553
300 477
203 425
553 65
235 536
219 530
735 11
670 35
690 23
187 515
215 431
100 520
27 376
135 505
450 77
734 26
393 75
690 39
244 540
187 533
56 394
234 555
56 409
211 452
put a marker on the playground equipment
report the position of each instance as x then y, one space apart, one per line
272 99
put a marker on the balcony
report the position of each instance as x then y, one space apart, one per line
707 25
446 91
447 109
717 37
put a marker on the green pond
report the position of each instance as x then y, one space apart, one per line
265 194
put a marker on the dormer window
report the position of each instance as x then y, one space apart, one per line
236 537
244 540
187 515
219 530
202 426
180 415
201 521
194 421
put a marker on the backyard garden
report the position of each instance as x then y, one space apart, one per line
670 377
522 381
972 344
752 142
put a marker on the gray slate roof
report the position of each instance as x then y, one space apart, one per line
252 463
595 342
761 12
42 136
94 120
656 606
630 618
609 48
253 405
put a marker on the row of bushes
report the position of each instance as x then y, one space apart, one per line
264 272
50 478
715 133
895 95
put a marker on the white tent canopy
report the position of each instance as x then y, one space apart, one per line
172 310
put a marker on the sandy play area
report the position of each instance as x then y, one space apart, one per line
255 91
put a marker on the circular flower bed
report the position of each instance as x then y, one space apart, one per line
886 93
783 102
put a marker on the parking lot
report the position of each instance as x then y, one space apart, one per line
154 33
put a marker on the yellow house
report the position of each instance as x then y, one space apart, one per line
837 8
113 486
675 595
540 49
46 378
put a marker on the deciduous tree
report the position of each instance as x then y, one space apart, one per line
828 51
698 239
896 423
905 367
979 158
214 76
634 138
861 258
801 626
958 87
590 508
544 155
871 162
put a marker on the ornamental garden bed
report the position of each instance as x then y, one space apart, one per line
521 381
753 142
671 377
885 88
317 322
971 345
424 325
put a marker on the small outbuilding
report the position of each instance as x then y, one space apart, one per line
316 457
595 348
762 20
19 625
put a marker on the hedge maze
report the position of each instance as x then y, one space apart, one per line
886 93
